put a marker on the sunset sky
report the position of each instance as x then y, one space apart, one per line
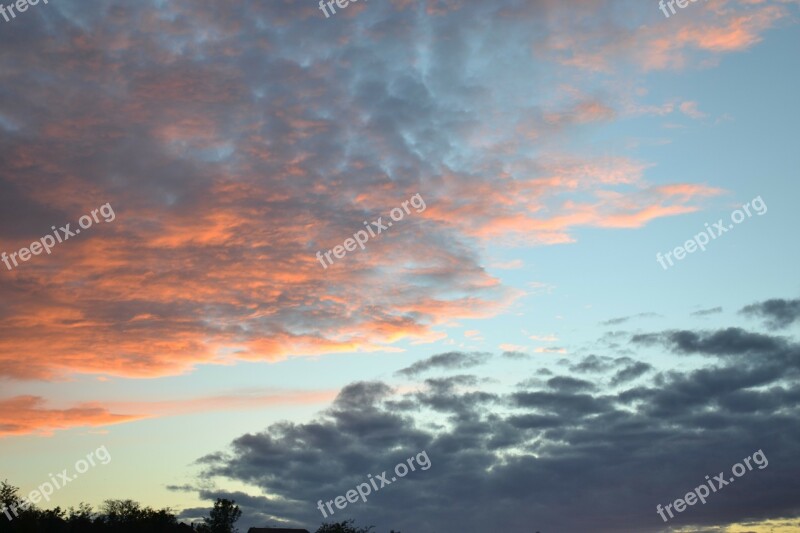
519 327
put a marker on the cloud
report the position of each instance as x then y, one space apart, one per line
690 110
21 415
592 363
550 349
24 415
729 342
513 264
513 354
777 313
601 44
508 347
575 440
568 384
630 373
448 360
706 312
622 320
235 401
233 149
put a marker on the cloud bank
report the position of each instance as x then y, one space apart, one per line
591 453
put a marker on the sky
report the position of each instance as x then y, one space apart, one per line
586 302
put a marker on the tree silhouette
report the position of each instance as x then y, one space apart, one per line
8 494
115 516
222 517
127 516
343 527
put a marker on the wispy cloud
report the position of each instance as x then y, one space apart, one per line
448 360
706 312
624 319
23 415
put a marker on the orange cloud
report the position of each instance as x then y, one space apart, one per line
520 211
243 400
227 182
23 415
713 28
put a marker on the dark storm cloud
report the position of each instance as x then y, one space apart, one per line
255 509
568 384
631 372
777 313
556 455
728 342
444 396
448 360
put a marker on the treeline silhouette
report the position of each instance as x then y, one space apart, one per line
125 516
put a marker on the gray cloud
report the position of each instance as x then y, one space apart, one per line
623 319
777 313
630 373
706 312
555 455
513 354
446 360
